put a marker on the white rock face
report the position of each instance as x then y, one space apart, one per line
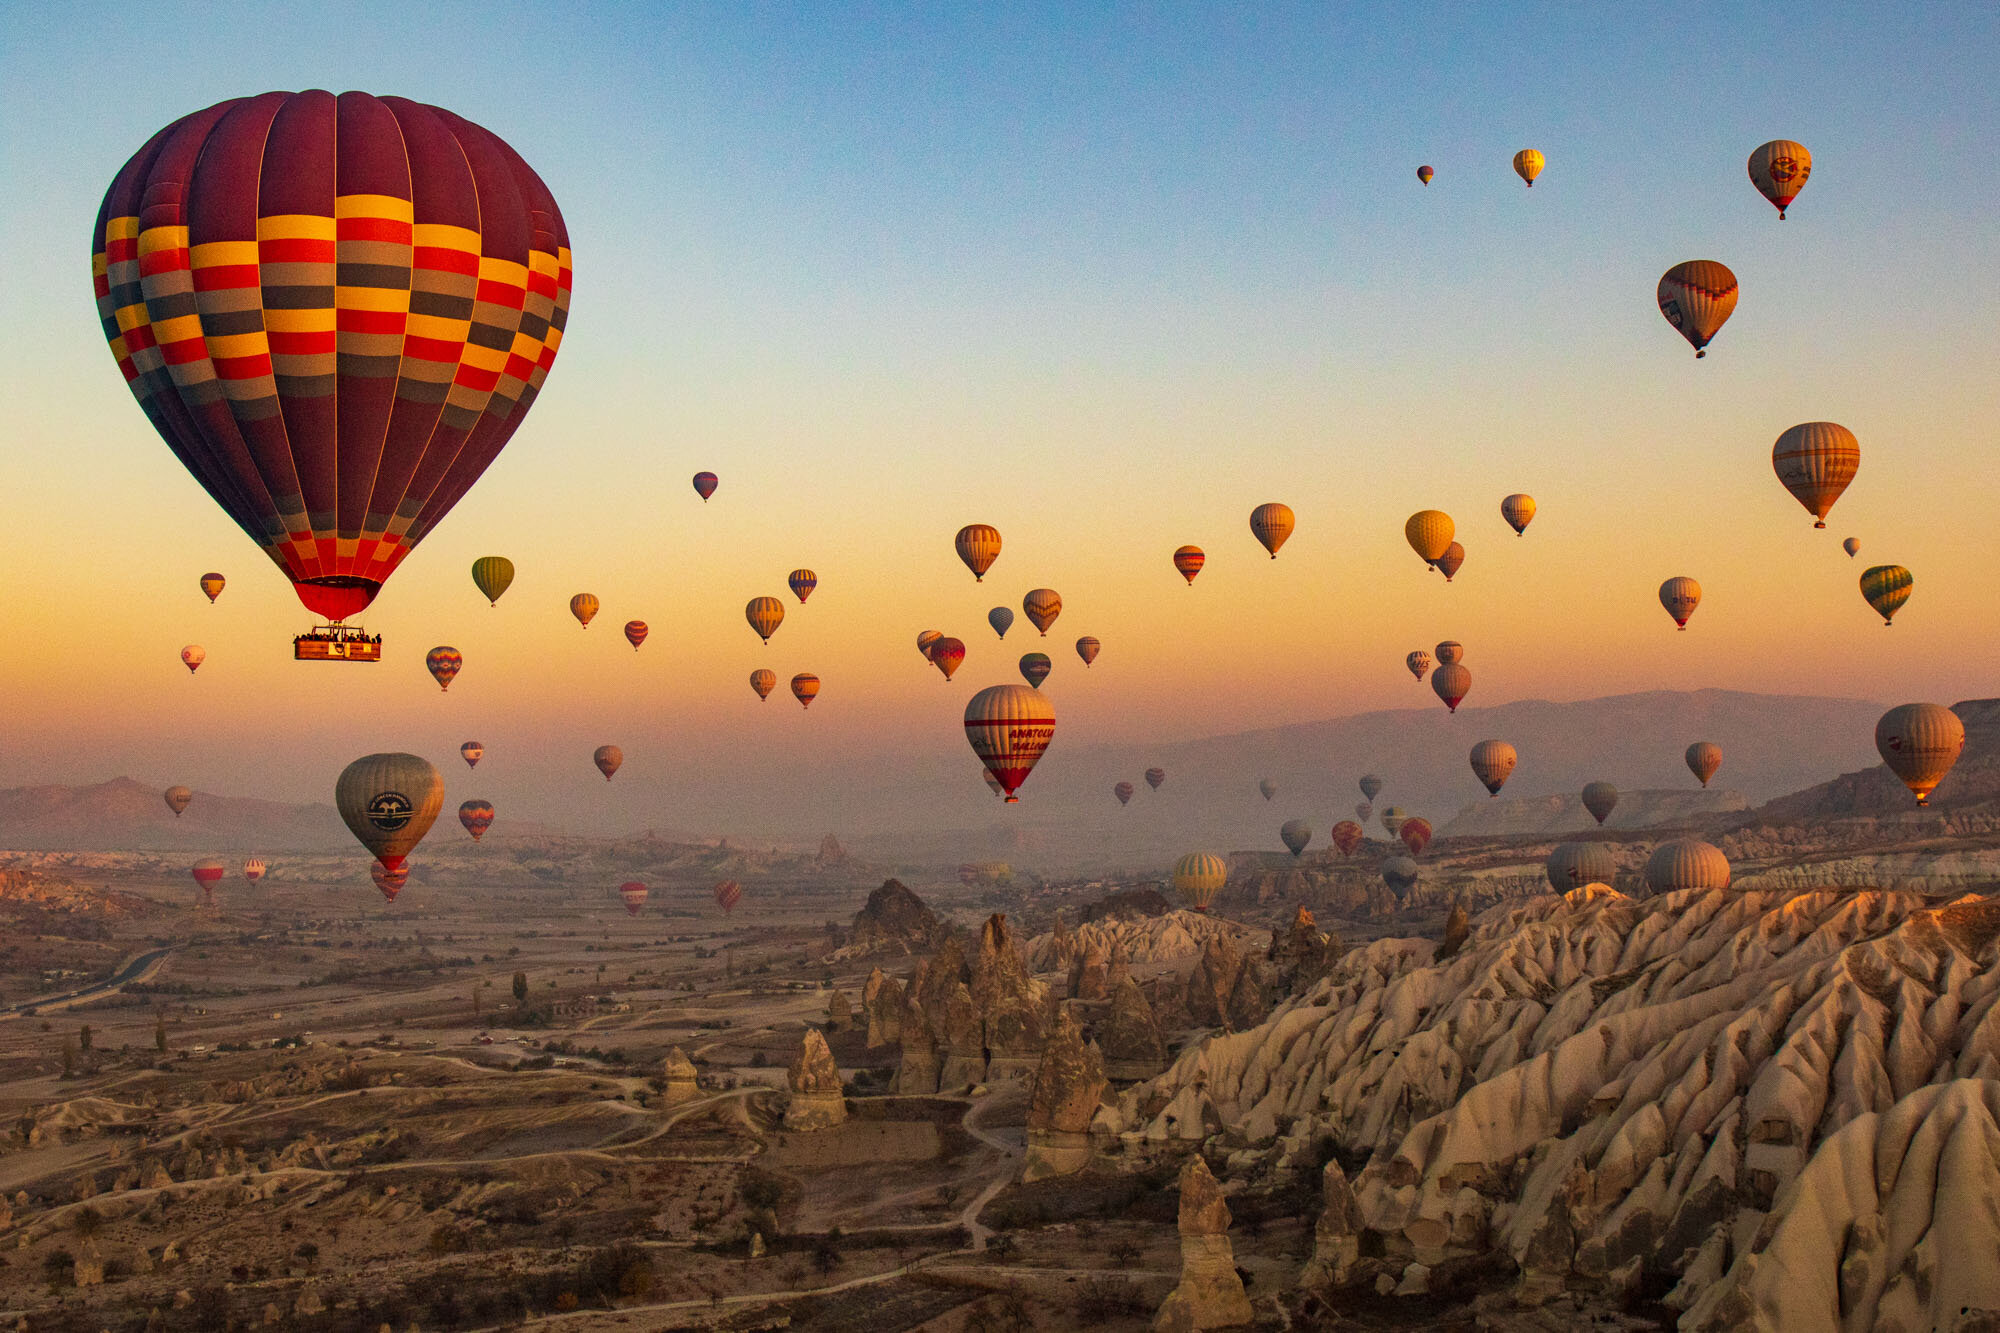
1172 937
1706 1083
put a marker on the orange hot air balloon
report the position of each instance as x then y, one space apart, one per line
443 662
1009 727
1346 835
1418 662
1429 533
978 546
1816 460
1189 560
763 682
1271 524
472 752
1087 648
1852 546
705 484
802 582
635 633
584 607
1123 791
1920 743
1450 683
1042 606
212 584
609 759
1697 298
1448 563
634 894
1680 595
946 654
1416 835
390 882
1519 511
805 688
1703 758
727 894
765 614
192 656
477 816
336 311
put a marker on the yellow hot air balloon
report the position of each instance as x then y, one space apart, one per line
765 614
1492 761
1886 587
1703 758
1009 727
1043 605
1697 298
1779 170
763 682
389 802
1272 524
1687 863
1815 461
1528 164
978 546
1680 595
1519 511
492 575
1920 743
1199 877
212 585
805 688
584 607
1429 532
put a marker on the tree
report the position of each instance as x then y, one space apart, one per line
84 1037
87 1222
159 1032
308 1254
521 987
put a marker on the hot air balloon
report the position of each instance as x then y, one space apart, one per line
1009 727
1296 834
1088 648
635 633
1155 776
389 802
1400 873
609 759
1779 170
1001 618
1450 653
584 607
1575 864
1371 787
1528 164
946 654
978 546
472 752
765 614
1852 546
1043 605
763 682
1519 511
207 874
1680 595
1600 798
443 662
1346 835
492 575
253 869
802 582
705 484
805 688
477 816
1424 174
212 584
1448 563
336 311
1035 668
1429 532
1687 863
1703 758
1815 460
1697 298
1123 791
1920 743
1492 761
1198 877
178 799
390 882
1416 834
1450 683
1886 587
1392 820
634 894
925 641
1363 811
1268 787
727 894
1271 524
1418 662
192 656
1189 560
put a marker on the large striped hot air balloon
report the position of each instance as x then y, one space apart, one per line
1042 605
727 894
336 311
444 663
212 585
1009 727
802 582
492 575
1697 298
1886 588
1198 877
1429 533
609 759
1271 524
1815 460
177 799
1189 560
1779 169
389 801
584 607
1920 743
978 546
477 816
1680 595
765 614
1687 863
634 895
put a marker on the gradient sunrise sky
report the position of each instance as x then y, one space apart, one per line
1104 277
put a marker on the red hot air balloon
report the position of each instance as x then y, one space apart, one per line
1189 560
704 485
1346 835
207 874
1416 835
477 816
443 663
946 654
336 311
1009 727
635 633
634 894
727 894
805 688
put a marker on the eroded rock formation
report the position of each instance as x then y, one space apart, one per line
677 1071
1129 1036
1068 1087
893 921
1209 1294
816 1101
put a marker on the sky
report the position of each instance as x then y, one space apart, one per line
1104 277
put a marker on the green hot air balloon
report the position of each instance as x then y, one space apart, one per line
493 575
1886 587
389 801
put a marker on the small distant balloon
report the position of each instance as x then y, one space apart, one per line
1189 560
1571 865
1035 668
207 874
1852 546
477 816
1424 174
1416 834
389 801
1697 298
802 582
1886 588
492 575
192 656
1155 776
1198 877
1296 834
1418 662
1528 164
443 662
763 682
727 894
254 869
635 633
805 688
978 545
1600 798
1393 820
1492 763
925 640
1346 835
1123 791
765 614
1449 652
390 882
1088 648
1703 758
633 894
212 585
1519 511
1271 524
1371 787
1042 605
472 752
584 607
609 759
1001 618
705 484
946 655
1686 863
1680 595
1268 787
1779 170
1448 563
1363 811
178 799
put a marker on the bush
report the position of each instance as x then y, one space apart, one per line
1105 1298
